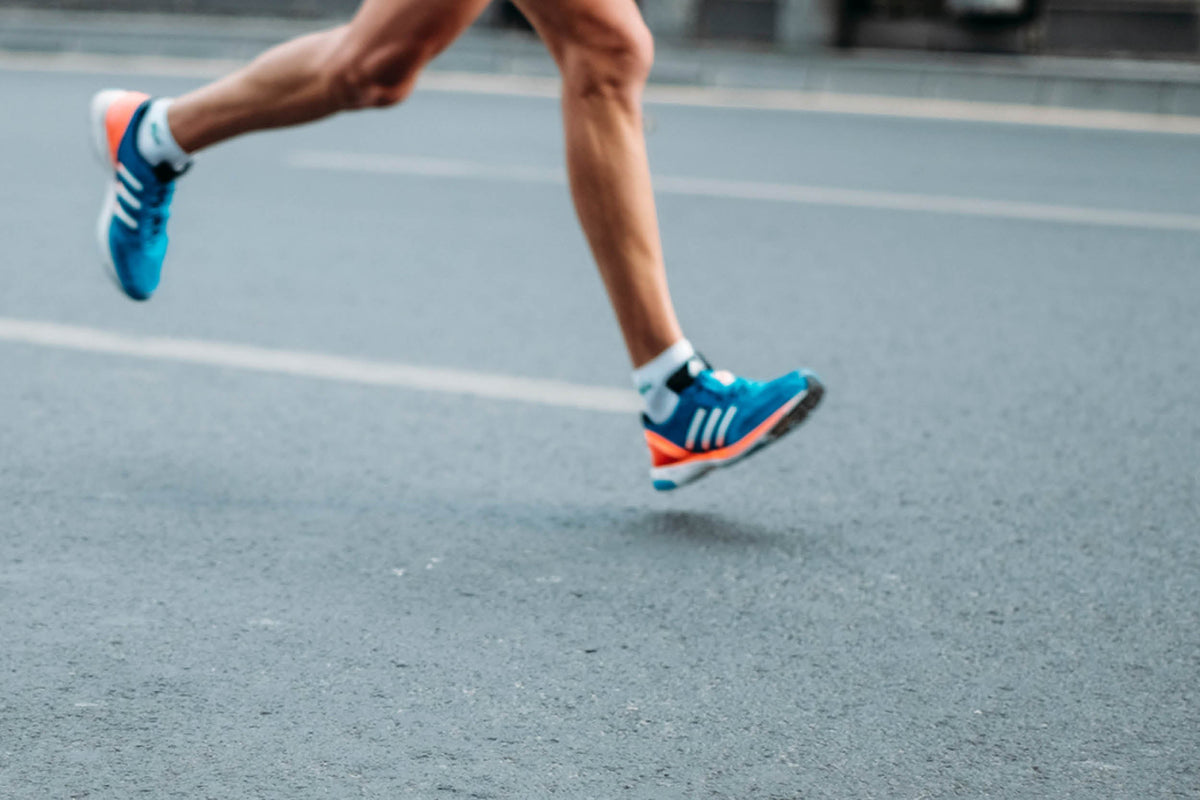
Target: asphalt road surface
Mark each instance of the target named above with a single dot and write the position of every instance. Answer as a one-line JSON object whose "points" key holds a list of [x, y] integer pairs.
{"points": [[974, 573]]}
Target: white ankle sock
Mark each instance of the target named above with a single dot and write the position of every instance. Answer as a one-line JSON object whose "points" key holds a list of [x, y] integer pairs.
{"points": [[651, 380], [154, 139]]}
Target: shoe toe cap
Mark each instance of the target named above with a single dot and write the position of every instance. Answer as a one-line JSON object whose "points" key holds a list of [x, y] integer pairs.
{"points": [[137, 269], [138, 281], [139, 293], [792, 383]]}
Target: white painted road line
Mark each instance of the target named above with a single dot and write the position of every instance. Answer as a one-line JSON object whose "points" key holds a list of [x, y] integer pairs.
{"points": [[751, 190], [97, 64], [325, 367], [927, 108], [930, 108]]}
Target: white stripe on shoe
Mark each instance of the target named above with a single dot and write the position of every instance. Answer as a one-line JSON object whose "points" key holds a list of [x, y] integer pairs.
{"points": [[128, 177], [127, 196], [725, 426], [713, 419], [694, 429], [120, 213]]}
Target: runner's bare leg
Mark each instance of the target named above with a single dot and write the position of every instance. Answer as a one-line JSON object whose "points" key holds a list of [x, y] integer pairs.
{"points": [[371, 61], [604, 52]]}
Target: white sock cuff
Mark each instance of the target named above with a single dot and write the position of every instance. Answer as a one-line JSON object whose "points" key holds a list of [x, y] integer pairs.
{"points": [[656, 371], [154, 139]]}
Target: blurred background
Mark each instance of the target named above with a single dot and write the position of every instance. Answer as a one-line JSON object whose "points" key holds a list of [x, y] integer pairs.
{"points": [[1139, 28]]}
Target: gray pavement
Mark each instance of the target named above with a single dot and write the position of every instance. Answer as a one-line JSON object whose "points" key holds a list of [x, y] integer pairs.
{"points": [[974, 573]]}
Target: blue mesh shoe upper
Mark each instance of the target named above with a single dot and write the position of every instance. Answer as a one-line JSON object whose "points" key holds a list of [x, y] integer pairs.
{"points": [[137, 229], [717, 409]]}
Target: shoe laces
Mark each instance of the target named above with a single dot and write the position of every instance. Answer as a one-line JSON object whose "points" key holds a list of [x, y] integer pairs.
{"points": [[157, 210], [158, 198], [727, 385]]}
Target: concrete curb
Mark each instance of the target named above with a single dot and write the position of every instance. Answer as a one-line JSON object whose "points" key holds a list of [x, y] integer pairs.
{"points": [[1116, 85]]}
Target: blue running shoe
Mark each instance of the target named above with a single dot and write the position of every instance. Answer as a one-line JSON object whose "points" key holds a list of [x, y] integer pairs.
{"points": [[132, 229], [722, 419]]}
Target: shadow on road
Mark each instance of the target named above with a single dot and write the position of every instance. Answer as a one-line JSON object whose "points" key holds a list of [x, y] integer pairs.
{"points": [[706, 528]]}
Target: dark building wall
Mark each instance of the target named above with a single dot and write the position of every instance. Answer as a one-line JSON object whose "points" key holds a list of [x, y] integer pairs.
{"points": [[1164, 27]]}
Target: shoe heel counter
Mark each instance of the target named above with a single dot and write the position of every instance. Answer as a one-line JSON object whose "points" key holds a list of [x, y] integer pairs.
{"points": [[116, 117]]}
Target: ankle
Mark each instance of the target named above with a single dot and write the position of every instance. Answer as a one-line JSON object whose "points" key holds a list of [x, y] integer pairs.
{"points": [[155, 141], [652, 380]]}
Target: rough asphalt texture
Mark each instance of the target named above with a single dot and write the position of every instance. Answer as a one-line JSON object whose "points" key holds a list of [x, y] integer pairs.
{"points": [[974, 573]]}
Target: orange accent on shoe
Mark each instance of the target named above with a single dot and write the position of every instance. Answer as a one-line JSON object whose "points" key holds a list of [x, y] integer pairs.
{"points": [[116, 119], [663, 451]]}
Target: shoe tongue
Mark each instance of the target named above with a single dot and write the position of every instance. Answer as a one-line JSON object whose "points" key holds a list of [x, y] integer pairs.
{"points": [[685, 376]]}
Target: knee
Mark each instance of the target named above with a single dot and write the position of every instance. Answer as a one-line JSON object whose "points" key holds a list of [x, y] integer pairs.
{"points": [[373, 76], [614, 62]]}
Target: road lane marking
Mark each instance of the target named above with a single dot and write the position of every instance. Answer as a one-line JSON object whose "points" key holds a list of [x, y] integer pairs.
{"points": [[492, 386], [99, 64], [928, 108], [752, 190], [921, 108]]}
